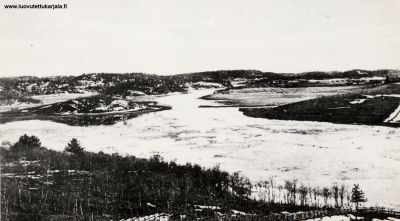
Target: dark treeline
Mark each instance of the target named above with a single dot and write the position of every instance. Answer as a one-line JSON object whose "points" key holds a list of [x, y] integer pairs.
{"points": [[8, 97], [336, 74], [155, 84], [149, 85], [38, 184]]}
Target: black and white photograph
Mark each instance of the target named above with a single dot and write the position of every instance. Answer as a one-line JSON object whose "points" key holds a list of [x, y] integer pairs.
{"points": [[197, 110]]}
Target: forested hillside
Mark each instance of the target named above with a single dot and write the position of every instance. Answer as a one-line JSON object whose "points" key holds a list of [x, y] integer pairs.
{"points": [[38, 183], [128, 83]]}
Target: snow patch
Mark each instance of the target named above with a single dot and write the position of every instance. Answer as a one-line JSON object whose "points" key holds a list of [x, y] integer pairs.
{"points": [[237, 212], [332, 218], [45, 106], [357, 101], [394, 117], [154, 217], [116, 106], [203, 84], [151, 205], [135, 93], [201, 207]]}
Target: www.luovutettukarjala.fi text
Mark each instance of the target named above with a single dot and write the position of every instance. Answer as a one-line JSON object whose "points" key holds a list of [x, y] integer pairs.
{"points": [[36, 6]]}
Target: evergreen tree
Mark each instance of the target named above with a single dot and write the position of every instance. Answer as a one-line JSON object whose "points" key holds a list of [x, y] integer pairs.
{"points": [[357, 196], [74, 147]]}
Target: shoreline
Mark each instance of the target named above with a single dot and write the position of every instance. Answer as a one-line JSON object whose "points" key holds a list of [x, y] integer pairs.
{"points": [[87, 119]]}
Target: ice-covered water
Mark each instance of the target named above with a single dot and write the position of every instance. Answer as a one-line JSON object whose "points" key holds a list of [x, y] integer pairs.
{"points": [[314, 153]]}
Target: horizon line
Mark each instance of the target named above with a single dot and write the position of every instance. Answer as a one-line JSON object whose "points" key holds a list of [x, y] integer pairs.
{"points": [[173, 74]]}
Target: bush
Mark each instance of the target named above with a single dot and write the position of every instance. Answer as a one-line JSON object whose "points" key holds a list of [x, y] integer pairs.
{"points": [[26, 143]]}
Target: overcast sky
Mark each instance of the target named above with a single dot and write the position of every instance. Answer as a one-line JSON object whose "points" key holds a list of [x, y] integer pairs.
{"points": [[180, 36]]}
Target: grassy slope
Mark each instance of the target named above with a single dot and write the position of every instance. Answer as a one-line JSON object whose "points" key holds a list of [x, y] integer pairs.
{"points": [[274, 96], [337, 109]]}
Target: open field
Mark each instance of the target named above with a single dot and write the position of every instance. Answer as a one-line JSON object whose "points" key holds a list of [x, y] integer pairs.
{"points": [[372, 106], [275, 96], [315, 153]]}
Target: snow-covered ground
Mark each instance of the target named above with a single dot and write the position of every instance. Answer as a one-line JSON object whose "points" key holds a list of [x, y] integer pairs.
{"points": [[331, 218], [347, 218], [154, 217], [313, 152]]}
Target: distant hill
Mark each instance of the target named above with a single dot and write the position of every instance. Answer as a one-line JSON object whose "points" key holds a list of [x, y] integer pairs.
{"points": [[122, 83]]}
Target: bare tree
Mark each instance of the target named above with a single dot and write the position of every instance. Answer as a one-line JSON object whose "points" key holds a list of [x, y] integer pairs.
{"points": [[341, 194], [335, 192], [271, 181], [326, 194], [303, 194]]}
